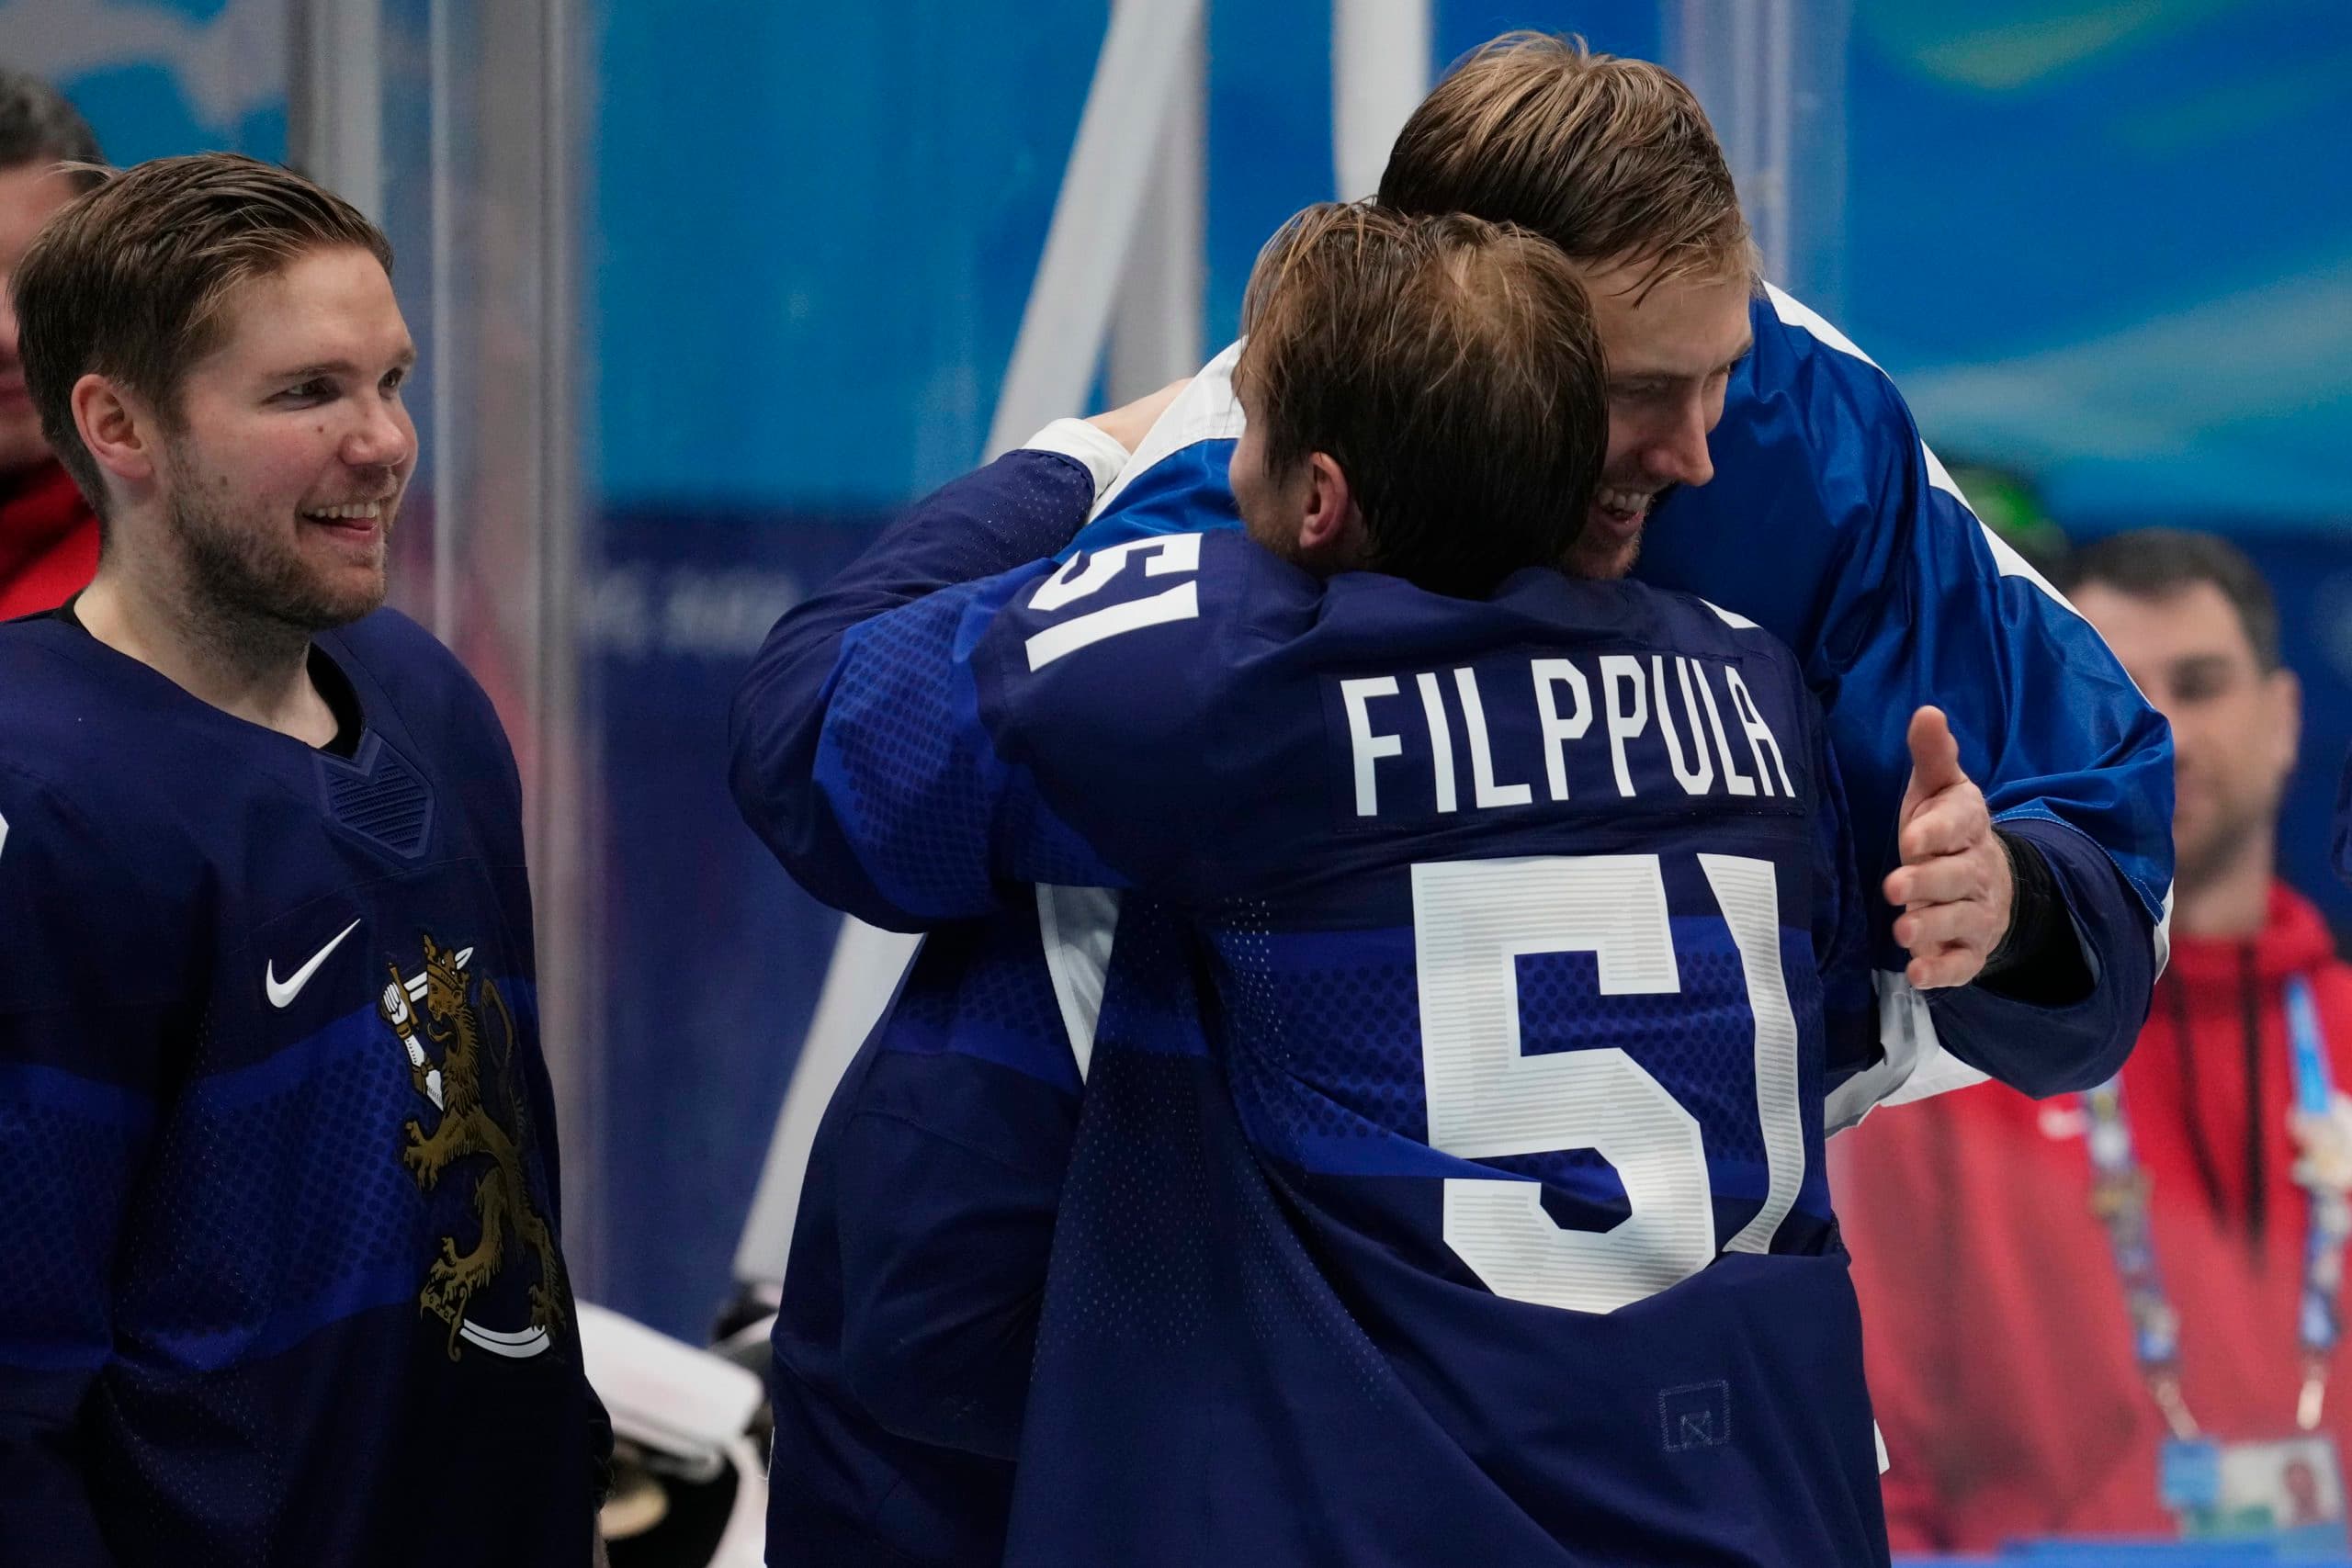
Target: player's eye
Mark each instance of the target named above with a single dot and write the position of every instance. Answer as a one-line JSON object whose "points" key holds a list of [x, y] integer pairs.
{"points": [[316, 390], [393, 381]]}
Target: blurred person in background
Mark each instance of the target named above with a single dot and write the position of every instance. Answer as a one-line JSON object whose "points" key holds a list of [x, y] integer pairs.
{"points": [[2055, 1292], [49, 533]]}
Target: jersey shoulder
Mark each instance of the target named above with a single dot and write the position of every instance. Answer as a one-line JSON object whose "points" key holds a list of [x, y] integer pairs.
{"points": [[1803, 366], [49, 675], [1154, 615], [409, 681], [1666, 620], [407, 662], [83, 721]]}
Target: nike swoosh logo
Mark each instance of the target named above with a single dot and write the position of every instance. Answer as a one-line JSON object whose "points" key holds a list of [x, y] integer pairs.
{"points": [[283, 992]]}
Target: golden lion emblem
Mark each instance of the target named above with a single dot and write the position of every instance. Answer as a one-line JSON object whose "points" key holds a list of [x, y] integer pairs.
{"points": [[437, 1005]]}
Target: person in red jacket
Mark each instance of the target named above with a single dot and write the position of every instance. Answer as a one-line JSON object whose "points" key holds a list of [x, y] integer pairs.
{"points": [[48, 535], [2116, 1311]]}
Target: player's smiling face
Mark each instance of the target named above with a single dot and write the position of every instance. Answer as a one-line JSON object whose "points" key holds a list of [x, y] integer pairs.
{"points": [[286, 466], [1671, 353]]}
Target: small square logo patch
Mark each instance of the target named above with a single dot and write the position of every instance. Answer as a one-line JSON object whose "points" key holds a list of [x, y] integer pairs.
{"points": [[1696, 1415]]}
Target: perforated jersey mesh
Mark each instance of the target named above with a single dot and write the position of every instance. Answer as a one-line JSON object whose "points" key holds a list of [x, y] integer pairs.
{"points": [[902, 768], [1332, 1049]]}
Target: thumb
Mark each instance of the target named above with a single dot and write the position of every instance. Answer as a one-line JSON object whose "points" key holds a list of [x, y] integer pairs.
{"points": [[1935, 759]]}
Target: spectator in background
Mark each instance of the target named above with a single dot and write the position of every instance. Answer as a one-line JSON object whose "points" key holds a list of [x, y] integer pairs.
{"points": [[48, 535], [2030, 1351]]}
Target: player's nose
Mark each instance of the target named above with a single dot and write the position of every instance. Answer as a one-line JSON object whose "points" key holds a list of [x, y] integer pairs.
{"points": [[381, 439], [1680, 455]]}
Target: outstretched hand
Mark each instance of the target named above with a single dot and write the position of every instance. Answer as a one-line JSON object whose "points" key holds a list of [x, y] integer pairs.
{"points": [[1955, 887]]}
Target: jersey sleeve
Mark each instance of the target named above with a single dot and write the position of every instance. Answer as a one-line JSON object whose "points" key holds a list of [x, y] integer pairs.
{"points": [[953, 1140], [1023, 506], [1024, 729], [945, 1149], [1853, 1053], [1178, 481], [1895, 597], [86, 1003]]}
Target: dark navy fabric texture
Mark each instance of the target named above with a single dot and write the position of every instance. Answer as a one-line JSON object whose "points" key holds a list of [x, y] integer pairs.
{"points": [[1284, 760], [1823, 522], [902, 1349], [285, 1280]]}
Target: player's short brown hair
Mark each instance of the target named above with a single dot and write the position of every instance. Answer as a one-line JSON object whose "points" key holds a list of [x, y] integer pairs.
{"points": [[1449, 366], [1612, 160], [128, 280]]}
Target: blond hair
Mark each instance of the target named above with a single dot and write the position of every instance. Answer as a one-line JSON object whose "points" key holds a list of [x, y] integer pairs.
{"points": [[1612, 160]]}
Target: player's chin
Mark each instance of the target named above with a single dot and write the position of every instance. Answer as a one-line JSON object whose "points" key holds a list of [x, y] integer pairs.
{"points": [[337, 598], [1601, 554]]}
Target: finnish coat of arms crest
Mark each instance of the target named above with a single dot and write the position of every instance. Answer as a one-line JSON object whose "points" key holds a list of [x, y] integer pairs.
{"points": [[444, 1006]]}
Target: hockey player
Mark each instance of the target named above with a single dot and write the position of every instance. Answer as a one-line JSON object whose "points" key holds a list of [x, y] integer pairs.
{"points": [[277, 1144], [1789, 485], [1490, 876]]}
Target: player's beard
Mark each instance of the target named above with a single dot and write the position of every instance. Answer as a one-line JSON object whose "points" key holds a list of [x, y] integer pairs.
{"points": [[1600, 555], [255, 578]]}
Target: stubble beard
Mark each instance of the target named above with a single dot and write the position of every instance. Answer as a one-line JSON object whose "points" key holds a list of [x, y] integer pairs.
{"points": [[1595, 561], [250, 590]]}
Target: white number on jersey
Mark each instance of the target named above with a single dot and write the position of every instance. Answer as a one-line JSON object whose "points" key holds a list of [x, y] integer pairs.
{"points": [[1472, 921], [1163, 555]]}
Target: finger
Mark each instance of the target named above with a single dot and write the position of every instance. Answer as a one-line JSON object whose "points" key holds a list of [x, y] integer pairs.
{"points": [[1930, 928], [1953, 879], [1955, 966], [1942, 882], [1954, 822], [1935, 759]]}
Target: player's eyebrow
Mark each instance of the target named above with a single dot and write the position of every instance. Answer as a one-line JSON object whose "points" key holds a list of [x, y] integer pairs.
{"points": [[2190, 664], [405, 359], [1662, 378]]}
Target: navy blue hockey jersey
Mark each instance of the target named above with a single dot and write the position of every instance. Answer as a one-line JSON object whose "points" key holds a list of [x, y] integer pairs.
{"points": [[1831, 524], [1494, 1169], [918, 1259], [285, 1282], [1828, 520]]}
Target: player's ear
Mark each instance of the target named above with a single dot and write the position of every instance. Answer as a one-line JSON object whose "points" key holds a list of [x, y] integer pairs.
{"points": [[1331, 531], [116, 426]]}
